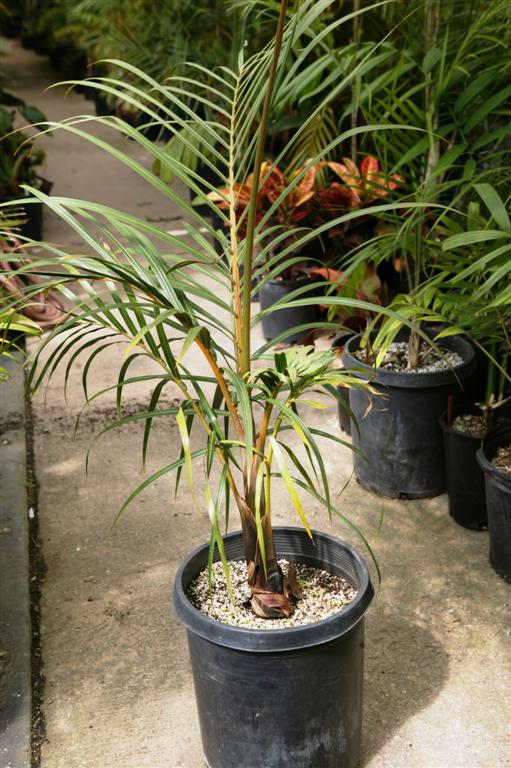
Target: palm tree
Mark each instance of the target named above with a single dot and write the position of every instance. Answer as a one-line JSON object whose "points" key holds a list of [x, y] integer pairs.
{"points": [[160, 295]]}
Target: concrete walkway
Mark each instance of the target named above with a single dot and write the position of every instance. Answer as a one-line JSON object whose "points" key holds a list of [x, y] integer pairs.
{"points": [[15, 627], [118, 688]]}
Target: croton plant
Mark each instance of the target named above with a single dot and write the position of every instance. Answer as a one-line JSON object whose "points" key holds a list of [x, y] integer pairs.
{"points": [[321, 194]]}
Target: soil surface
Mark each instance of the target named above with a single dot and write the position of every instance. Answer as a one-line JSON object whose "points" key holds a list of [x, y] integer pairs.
{"points": [[473, 424], [396, 359], [322, 595], [502, 459]]}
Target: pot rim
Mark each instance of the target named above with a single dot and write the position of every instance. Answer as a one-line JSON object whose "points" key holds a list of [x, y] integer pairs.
{"points": [[276, 640], [290, 281], [413, 379]]}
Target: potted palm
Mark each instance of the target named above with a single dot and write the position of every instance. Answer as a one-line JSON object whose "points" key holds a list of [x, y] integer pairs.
{"points": [[471, 267], [160, 296], [478, 266], [19, 161], [429, 82]]}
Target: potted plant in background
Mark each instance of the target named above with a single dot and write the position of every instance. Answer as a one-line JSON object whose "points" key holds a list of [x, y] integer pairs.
{"points": [[477, 265], [14, 322], [427, 85], [19, 161], [311, 205], [137, 287], [474, 267]]}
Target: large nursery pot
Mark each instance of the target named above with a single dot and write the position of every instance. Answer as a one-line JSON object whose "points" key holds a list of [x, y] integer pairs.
{"points": [[498, 501], [398, 426], [280, 698], [464, 478], [281, 320]]}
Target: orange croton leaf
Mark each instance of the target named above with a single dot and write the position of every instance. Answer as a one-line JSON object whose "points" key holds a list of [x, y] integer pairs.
{"points": [[369, 167], [304, 190], [274, 184]]}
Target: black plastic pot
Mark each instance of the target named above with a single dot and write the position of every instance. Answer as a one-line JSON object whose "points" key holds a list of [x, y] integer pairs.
{"points": [[212, 179], [475, 384], [342, 408], [32, 215], [281, 320], [280, 698], [343, 392], [398, 426], [464, 478], [101, 105], [498, 501]]}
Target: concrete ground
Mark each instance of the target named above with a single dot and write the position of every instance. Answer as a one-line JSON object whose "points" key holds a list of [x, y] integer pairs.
{"points": [[119, 692], [15, 628]]}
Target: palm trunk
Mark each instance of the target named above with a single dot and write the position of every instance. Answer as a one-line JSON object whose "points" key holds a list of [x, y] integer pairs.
{"points": [[271, 592], [270, 595]]}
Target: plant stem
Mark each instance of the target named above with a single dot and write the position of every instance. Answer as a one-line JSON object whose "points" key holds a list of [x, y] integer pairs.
{"points": [[252, 208], [355, 89]]}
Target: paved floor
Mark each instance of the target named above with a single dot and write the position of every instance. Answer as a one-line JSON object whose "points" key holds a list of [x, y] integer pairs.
{"points": [[15, 627], [118, 687]]}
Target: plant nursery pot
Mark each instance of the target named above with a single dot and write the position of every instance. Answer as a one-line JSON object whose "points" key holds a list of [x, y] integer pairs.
{"points": [[498, 501], [344, 392], [398, 426], [208, 175], [344, 416], [463, 476], [281, 320], [101, 105], [33, 215], [280, 698]]}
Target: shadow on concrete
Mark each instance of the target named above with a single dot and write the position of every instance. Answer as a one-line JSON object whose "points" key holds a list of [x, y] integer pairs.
{"points": [[405, 669]]}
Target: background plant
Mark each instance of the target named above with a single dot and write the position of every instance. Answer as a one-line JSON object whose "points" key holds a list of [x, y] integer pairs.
{"points": [[476, 265], [448, 75], [18, 157]]}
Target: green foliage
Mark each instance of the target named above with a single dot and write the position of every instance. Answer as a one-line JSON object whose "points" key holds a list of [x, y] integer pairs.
{"points": [[18, 157], [476, 265], [159, 295], [446, 72]]}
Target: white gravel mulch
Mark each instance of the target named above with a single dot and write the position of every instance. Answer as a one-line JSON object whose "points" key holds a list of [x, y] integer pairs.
{"points": [[502, 459], [396, 359], [470, 424], [323, 594]]}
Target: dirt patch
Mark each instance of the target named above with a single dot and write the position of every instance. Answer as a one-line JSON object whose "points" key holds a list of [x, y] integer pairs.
{"points": [[100, 416], [8, 424]]}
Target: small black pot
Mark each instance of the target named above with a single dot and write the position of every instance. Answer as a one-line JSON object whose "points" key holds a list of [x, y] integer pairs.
{"points": [[464, 478], [281, 320], [32, 214], [342, 408], [101, 105], [498, 501], [343, 392], [213, 180], [398, 426], [288, 698]]}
